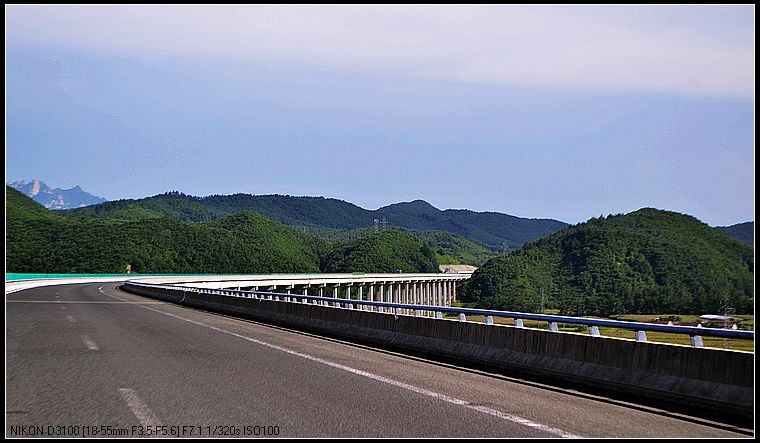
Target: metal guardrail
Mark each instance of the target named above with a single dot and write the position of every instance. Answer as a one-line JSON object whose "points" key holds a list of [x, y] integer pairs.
{"points": [[695, 332]]}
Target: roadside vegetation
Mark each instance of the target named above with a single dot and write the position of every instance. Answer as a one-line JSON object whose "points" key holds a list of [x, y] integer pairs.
{"points": [[747, 323]]}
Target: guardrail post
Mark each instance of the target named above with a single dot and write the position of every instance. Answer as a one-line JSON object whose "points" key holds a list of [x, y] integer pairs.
{"points": [[518, 323], [594, 331], [438, 315], [417, 312], [553, 326], [462, 317], [641, 336], [489, 320], [380, 309], [696, 341]]}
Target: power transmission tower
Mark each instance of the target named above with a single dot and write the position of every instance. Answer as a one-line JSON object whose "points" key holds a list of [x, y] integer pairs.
{"points": [[380, 224]]}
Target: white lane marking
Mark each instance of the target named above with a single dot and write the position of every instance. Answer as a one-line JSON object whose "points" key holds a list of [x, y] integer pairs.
{"points": [[63, 308], [422, 391], [70, 319], [142, 412], [89, 343]]}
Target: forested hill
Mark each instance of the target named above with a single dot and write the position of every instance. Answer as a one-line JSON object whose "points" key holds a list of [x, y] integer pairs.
{"points": [[490, 228], [448, 248], [744, 232], [40, 240], [389, 251], [648, 261]]}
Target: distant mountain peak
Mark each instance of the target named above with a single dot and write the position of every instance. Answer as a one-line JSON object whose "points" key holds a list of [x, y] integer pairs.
{"points": [[414, 205], [55, 198]]}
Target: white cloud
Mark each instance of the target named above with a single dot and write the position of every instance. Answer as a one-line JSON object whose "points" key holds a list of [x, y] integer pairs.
{"points": [[642, 49]]}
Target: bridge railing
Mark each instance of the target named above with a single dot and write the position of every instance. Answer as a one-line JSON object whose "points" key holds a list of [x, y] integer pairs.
{"points": [[694, 332]]}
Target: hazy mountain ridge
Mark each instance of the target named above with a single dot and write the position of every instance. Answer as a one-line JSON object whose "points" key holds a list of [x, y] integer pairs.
{"points": [[744, 232], [56, 198], [494, 229]]}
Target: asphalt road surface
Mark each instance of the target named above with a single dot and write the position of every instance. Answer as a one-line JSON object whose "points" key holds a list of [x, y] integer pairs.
{"points": [[91, 360]]}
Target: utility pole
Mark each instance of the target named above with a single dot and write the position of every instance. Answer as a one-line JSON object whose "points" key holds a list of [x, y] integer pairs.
{"points": [[726, 310]]}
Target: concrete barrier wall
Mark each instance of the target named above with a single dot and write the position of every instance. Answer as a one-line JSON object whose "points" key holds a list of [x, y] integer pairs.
{"points": [[706, 378]]}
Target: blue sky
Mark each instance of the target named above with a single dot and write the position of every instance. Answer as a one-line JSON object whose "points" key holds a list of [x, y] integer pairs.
{"points": [[555, 112]]}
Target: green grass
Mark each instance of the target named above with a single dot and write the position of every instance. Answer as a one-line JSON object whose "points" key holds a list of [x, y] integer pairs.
{"points": [[748, 322], [655, 337]]}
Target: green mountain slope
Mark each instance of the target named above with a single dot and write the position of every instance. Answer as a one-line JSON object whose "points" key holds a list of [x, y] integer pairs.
{"points": [[20, 205], [388, 251], [448, 248], [40, 241], [490, 228], [744, 232], [648, 261], [170, 205]]}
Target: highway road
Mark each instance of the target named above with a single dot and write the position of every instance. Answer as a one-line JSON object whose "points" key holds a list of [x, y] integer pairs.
{"points": [[89, 358]]}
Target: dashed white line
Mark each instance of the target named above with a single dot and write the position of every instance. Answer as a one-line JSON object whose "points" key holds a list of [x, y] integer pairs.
{"points": [[89, 343], [408, 387], [142, 412]]}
